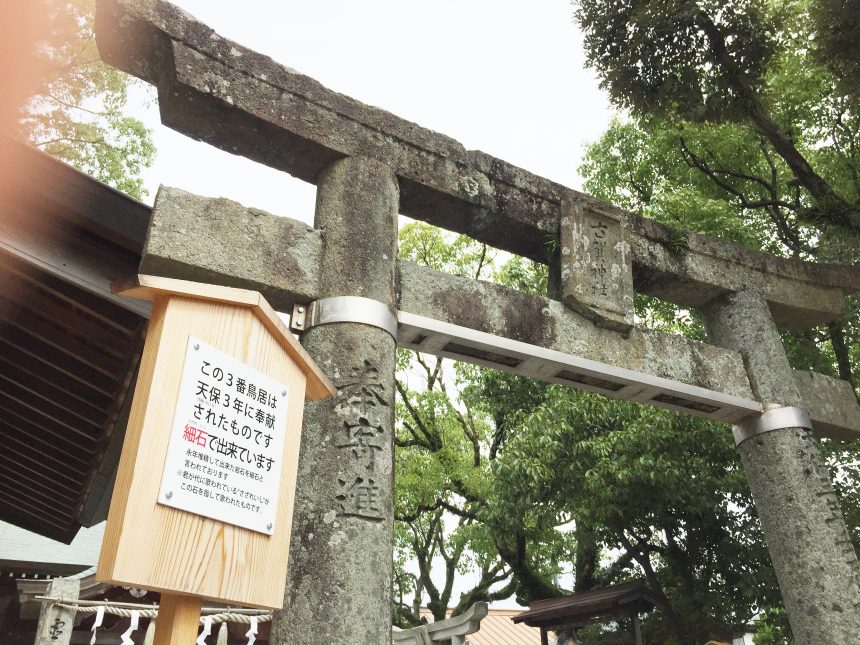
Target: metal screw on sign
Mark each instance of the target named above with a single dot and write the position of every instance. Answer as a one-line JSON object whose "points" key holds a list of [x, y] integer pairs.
{"points": [[168, 494], [197, 346], [269, 526], [284, 393]]}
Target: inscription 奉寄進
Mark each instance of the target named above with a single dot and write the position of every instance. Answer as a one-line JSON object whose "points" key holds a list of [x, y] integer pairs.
{"points": [[361, 439]]}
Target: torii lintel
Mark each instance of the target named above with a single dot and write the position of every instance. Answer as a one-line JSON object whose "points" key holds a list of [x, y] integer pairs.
{"points": [[213, 89]]}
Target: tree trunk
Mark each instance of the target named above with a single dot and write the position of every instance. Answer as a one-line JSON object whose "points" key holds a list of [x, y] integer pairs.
{"points": [[835, 209], [837, 339], [663, 602], [531, 586], [587, 551]]}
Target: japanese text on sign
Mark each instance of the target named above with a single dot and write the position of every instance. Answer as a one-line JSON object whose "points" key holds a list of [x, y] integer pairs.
{"points": [[226, 441]]}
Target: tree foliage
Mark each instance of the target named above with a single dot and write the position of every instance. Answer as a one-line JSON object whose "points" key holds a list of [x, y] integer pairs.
{"points": [[538, 490], [708, 61], [442, 472], [658, 56], [78, 110], [655, 493], [837, 29], [729, 178], [528, 485]]}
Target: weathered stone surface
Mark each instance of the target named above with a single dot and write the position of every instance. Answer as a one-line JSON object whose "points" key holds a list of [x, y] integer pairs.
{"points": [[217, 254], [741, 321], [214, 253], [831, 404], [812, 553], [225, 94], [56, 624], [247, 262], [339, 574], [691, 269], [451, 630], [223, 242], [507, 312], [596, 267]]}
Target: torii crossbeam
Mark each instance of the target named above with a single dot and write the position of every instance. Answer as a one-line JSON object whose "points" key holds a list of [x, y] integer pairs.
{"points": [[354, 301]]}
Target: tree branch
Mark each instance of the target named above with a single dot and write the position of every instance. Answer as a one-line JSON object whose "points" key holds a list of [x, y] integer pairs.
{"points": [[644, 561], [432, 438], [833, 208], [787, 234]]}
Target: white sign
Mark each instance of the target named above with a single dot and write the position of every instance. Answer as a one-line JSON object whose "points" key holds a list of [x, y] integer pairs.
{"points": [[226, 442]]}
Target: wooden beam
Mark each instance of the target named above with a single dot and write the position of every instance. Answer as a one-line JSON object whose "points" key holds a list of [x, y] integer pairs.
{"points": [[178, 619]]}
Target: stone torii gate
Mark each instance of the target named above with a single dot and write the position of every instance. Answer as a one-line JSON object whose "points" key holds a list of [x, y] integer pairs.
{"points": [[354, 301]]}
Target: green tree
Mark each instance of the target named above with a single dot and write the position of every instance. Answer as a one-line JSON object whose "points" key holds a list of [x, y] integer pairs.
{"points": [[441, 469], [624, 490], [78, 110], [714, 161], [737, 128], [711, 61], [634, 154], [837, 29], [725, 177], [525, 482], [659, 495]]}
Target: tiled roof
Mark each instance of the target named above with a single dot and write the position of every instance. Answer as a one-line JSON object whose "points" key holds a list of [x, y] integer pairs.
{"points": [[497, 628]]}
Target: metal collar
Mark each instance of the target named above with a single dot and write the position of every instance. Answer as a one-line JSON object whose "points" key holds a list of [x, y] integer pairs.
{"points": [[771, 419], [342, 309]]}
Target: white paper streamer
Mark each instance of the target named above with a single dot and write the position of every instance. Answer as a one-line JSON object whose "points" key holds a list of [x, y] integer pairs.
{"points": [[135, 619], [100, 614], [252, 632], [149, 637], [207, 629]]}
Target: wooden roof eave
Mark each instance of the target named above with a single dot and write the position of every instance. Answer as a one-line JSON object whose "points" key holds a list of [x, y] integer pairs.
{"points": [[586, 607]]}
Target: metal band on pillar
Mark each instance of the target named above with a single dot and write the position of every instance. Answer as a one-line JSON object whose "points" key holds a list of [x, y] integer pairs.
{"points": [[771, 419], [338, 309]]}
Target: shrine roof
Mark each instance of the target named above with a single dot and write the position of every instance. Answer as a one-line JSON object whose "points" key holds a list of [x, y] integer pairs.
{"points": [[579, 608], [68, 347]]}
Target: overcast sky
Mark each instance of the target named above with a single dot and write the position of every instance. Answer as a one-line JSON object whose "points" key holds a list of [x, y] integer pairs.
{"points": [[500, 76]]}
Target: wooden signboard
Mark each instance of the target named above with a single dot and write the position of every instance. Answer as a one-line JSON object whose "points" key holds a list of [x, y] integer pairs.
{"points": [[203, 500]]}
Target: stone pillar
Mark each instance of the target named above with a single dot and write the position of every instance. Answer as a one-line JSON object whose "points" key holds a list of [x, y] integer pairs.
{"points": [[56, 624], [339, 580], [813, 557]]}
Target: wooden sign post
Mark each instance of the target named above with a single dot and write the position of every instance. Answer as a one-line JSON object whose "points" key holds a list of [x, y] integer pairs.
{"points": [[203, 501]]}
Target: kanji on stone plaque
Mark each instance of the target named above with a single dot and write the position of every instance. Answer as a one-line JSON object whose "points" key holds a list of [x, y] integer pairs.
{"points": [[596, 267]]}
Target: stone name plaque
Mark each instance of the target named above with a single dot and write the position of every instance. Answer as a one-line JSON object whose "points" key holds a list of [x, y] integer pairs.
{"points": [[226, 444], [596, 268]]}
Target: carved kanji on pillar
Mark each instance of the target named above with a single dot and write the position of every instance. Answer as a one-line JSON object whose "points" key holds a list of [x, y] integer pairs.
{"points": [[362, 439]]}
